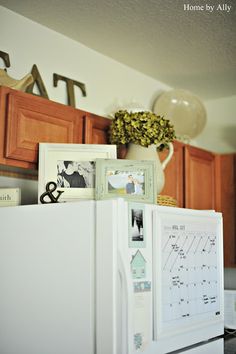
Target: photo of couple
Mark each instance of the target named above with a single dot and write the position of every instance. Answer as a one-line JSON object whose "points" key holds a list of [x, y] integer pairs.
{"points": [[133, 186], [76, 174], [125, 182]]}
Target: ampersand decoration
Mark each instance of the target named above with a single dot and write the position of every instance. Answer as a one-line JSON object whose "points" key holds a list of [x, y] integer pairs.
{"points": [[50, 188]]}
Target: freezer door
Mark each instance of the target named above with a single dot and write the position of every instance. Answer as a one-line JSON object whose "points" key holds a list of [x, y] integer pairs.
{"points": [[47, 279]]}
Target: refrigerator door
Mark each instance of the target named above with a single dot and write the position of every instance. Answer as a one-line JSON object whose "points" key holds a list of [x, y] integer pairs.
{"points": [[47, 279], [124, 319]]}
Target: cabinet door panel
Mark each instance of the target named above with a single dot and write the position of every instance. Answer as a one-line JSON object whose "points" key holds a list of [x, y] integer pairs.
{"points": [[225, 203], [199, 178], [96, 129], [174, 174], [32, 119]]}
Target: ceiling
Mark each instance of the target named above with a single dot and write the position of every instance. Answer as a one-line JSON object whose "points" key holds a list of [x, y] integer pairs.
{"points": [[192, 50]]}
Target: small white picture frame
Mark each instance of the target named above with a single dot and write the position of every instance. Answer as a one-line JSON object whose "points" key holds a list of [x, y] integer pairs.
{"points": [[133, 180]]}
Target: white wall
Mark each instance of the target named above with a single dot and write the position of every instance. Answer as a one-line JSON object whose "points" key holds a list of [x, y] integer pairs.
{"points": [[107, 81], [219, 134]]}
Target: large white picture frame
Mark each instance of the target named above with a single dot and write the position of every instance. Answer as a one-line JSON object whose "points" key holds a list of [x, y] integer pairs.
{"points": [[57, 161]]}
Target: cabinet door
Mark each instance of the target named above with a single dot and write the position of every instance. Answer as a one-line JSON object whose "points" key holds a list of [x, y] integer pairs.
{"points": [[225, 203], [199, 178], [96, 129], [30, 119], [174, 174]]}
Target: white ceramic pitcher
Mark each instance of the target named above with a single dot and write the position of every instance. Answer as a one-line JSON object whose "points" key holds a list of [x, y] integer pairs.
{"points": [[138, 152]]}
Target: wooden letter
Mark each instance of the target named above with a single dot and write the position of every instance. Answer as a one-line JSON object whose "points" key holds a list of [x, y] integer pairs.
{"points": [[5, 57], [69, 87], [37, 80]]}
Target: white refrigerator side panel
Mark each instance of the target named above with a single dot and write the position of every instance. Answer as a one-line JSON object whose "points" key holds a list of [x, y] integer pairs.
{"points": [[47, 279]]}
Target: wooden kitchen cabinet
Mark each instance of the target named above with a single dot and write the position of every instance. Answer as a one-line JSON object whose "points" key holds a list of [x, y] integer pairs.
{"points": [[225, 202], [199, 181], [26, 120], [190, 177], [96, 129]]}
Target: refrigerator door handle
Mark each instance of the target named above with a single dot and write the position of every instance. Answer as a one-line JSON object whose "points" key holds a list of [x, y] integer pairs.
{"points": [[127, 300]]}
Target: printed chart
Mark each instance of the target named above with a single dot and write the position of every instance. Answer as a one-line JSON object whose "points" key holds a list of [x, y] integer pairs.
{"points": [[190, 277]]}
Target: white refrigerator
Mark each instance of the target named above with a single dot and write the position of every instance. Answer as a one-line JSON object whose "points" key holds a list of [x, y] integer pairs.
{"points": [[110, 277]]}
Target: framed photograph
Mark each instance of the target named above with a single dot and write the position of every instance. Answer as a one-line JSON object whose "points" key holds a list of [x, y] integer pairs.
{"points": [[129, 179], [71, 168]]}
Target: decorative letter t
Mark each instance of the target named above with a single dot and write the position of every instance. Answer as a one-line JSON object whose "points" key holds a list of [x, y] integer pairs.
{"points": [[70, 87]]}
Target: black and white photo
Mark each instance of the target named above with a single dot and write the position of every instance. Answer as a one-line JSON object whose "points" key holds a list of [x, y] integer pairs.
{"points": [[75, 174], [137, 231]]}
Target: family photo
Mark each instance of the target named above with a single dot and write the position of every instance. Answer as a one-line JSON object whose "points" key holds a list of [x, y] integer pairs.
{"points": [[126, 182], [76, 174]]}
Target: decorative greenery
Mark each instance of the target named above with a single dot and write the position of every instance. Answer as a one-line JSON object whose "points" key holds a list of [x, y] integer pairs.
{"points": [[141, 128]]}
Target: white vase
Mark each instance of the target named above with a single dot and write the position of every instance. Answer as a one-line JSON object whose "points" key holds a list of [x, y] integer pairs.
{"points": [[138, 152]]}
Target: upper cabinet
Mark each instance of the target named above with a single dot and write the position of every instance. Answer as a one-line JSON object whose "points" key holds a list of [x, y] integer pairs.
{"points": [[26, 120], [225, 202], [190, 177], [199, 178], [96, 129]]}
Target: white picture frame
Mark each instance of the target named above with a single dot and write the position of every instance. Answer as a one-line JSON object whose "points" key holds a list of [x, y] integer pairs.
{"points": [[53, 156]]}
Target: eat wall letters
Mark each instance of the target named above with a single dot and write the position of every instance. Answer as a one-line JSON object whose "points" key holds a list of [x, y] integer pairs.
{"points": [[70, 83]]}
